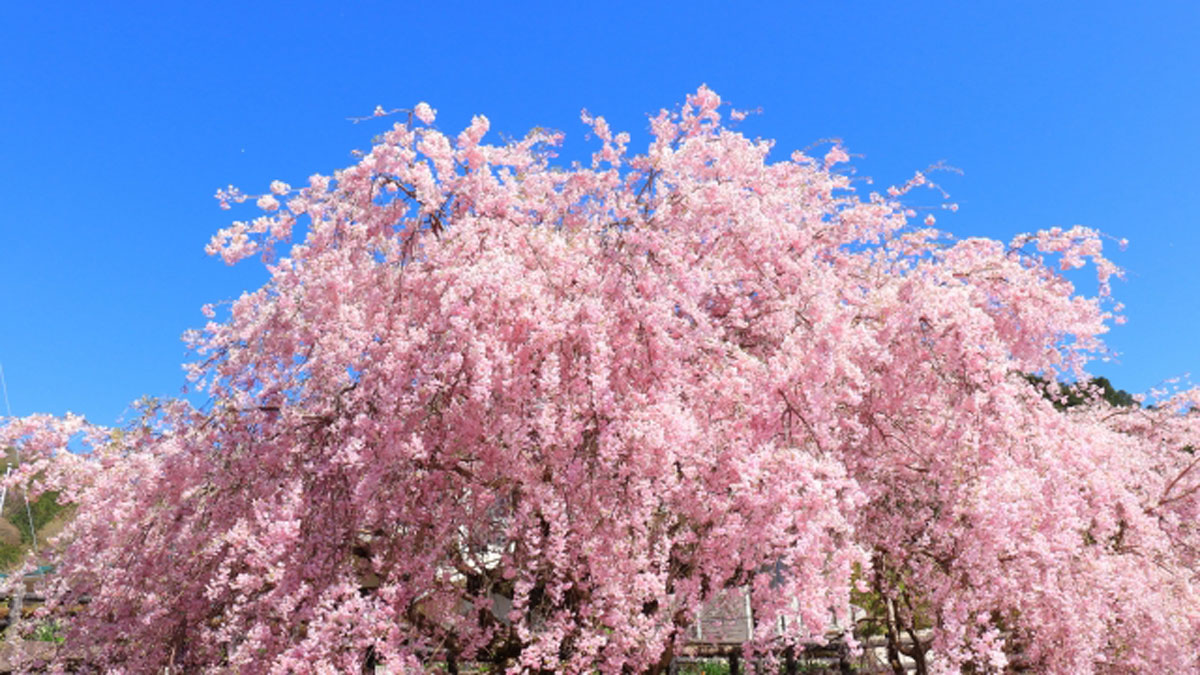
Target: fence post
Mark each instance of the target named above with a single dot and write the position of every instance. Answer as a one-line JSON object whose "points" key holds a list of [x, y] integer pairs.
{"points": [[15, 605]]}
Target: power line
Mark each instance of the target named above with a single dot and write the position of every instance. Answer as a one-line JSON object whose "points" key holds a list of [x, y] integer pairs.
{"points": [[17, 454]]}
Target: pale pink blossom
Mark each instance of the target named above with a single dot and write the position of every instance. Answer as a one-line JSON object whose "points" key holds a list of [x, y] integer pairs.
{"points": [[425, 113], [836, 155], [555, 412]]}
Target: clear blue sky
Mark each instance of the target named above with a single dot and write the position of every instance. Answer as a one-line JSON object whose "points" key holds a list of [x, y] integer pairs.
{"points": [[118, 121]]}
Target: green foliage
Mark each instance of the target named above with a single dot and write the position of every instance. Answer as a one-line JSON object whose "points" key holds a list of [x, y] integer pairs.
{"points": [[871, 602], [719, 666], [1069, 396], [1114, 396], [10, 555], [875, 605], [707, 667], [49, 631], [42, 510]]}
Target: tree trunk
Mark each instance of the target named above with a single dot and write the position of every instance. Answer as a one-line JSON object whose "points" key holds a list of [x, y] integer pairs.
{"points": [[918, 652], [889, 619], [844, 665], [789, 661]]}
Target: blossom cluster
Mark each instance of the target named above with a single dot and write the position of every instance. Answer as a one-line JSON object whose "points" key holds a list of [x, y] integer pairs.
{"points": [[491, 409]]}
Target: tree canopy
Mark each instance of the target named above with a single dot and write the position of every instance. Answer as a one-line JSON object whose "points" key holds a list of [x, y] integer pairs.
{"points": [[489, 408]]}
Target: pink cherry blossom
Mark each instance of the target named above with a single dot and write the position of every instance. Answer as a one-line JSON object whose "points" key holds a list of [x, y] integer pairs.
{"points": [[425, 113], [268, 203], [491, 409]]}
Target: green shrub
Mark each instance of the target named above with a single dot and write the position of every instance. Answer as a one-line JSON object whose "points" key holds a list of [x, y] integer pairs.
{"points": [[49, 631]]}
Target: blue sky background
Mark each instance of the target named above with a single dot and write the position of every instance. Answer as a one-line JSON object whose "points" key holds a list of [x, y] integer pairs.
{"points": [[118, 121]]}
